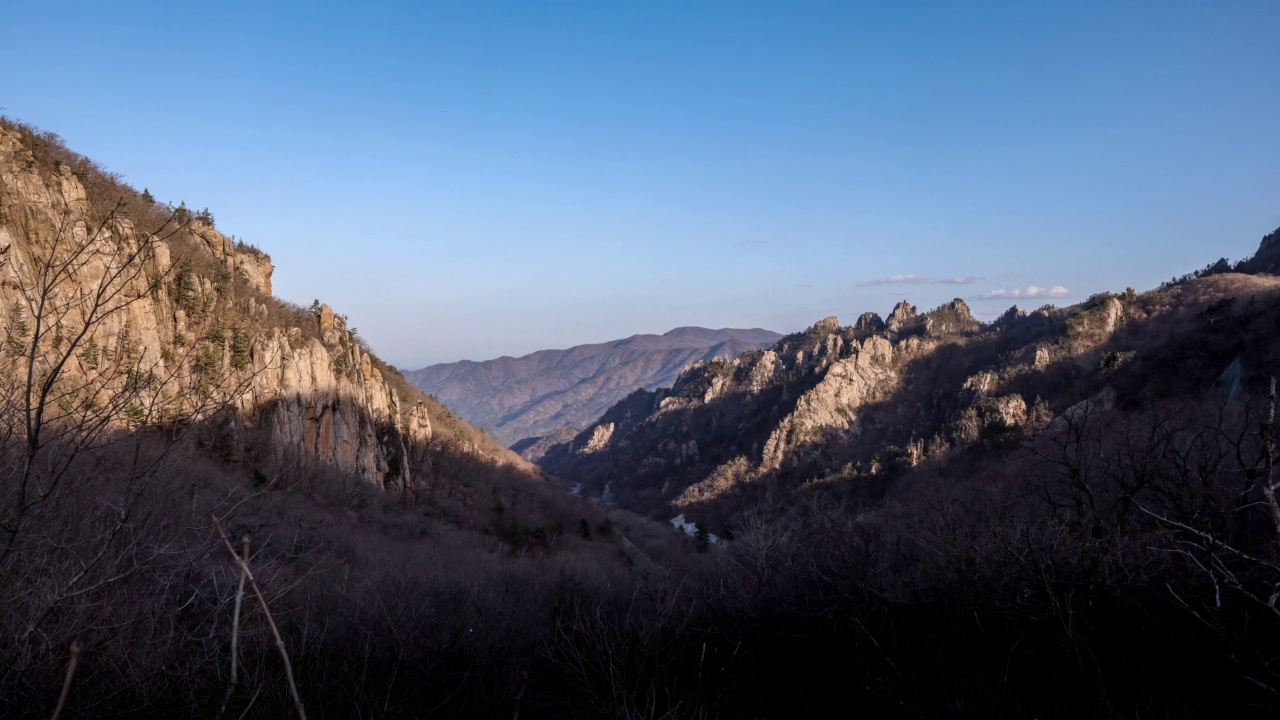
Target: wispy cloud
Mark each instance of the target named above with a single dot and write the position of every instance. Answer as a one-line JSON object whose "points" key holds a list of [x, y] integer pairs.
{"points": [[910, 279], [1033, 291], [899, 280]]}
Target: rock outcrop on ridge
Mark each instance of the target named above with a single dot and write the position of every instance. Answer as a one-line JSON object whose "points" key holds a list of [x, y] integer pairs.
{"points": [[856, 406], [539, 394], [197, 320]]}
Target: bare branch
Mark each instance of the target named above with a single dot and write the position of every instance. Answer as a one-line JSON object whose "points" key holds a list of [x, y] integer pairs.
{"points": [[275, 632]]}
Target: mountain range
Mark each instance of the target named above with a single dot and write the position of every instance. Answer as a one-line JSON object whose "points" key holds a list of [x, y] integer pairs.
{"points": [[547, 391], [867, 405], [1068, 512]]}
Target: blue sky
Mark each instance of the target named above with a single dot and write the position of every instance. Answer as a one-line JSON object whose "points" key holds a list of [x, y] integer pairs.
{"points": [[467, 180]]}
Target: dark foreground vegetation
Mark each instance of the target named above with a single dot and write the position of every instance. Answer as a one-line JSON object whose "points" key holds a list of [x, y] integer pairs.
{"points": [[1119, 561], [1123, 568]]}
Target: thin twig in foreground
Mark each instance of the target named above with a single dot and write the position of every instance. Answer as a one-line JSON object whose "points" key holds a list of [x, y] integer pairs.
{"points": [[271, 623], [235, 633], [76, 649]]}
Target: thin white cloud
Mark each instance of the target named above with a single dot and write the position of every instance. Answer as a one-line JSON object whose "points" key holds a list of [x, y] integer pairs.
{"points": [[1033, 291], [911, 279]]}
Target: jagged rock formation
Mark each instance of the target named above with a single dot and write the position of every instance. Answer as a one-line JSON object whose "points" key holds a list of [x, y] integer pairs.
{"points": [[198, 322], [953, 318], [1267, 257], [856, 405], [350, 418], [756, 414], [830, 407], [869, 322], [540, 393], [903, 314], [599, 438]]}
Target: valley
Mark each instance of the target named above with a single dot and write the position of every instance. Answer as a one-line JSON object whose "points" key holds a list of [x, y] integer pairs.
{"points": [[516, 399], [1042, 485]]}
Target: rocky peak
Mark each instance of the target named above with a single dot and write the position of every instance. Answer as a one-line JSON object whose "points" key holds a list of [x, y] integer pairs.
{"points": [[325, 315], [764, 371], [333, 327], [902, 315], [1113, 311], [950, 319], [831, 407], [869, 323], [1270, 242], [826, 325], [1009, 318], [1267, 258]]}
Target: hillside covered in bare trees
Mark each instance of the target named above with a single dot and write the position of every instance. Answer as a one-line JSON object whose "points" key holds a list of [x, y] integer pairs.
{"points": [[214, 503], [526, 398]]}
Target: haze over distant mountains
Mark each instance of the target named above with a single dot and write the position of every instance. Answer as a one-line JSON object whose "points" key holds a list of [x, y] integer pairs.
{"points": [[545, 391]]}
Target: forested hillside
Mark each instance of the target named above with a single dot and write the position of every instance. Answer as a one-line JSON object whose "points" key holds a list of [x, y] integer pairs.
{"points": [[214, 503], [546, 391]]}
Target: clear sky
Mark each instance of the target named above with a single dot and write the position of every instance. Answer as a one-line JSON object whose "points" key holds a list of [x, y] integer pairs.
{"points": [[472, 179]]}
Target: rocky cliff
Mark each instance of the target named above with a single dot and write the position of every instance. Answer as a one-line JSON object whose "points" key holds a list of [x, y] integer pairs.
{"points": [[857, 406], [543, 392], [1267, 257], [161, 305]]}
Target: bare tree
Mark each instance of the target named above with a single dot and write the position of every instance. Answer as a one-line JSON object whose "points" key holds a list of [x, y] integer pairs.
{"points": [[89, 417], [1240, 551]]}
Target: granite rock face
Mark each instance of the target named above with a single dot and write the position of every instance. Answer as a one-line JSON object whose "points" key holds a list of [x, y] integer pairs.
{"points": [[857, 406], [1114, 313], [831, 407], [903, 314], [193, 316], [726, 421]]}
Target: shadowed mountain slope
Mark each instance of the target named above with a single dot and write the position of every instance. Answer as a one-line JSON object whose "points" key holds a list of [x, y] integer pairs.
{"points": [[194, 315], [539, 393], [861, 406], [156, 398], [1064, 514]]}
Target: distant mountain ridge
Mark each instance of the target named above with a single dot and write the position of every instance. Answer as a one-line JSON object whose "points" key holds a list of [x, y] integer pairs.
{"points": [[871, 405], [539, 393]]}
